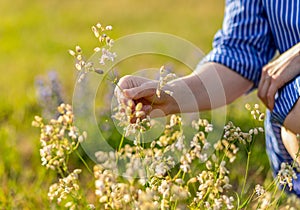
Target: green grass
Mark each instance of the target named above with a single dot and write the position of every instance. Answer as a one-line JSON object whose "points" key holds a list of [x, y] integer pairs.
{"points": [[35, 36]]}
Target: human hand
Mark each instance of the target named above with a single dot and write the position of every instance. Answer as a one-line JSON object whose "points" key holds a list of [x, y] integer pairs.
{"points": [[277, 73], [143, 90]]}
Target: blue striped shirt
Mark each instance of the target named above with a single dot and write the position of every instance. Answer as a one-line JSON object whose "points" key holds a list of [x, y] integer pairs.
{"points": [[253, 30]]}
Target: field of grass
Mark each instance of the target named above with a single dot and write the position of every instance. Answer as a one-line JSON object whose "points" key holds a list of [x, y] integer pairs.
{"points": [[35, 37]]}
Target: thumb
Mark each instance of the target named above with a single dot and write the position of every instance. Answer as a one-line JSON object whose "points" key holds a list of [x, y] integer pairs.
{"points": [[143, 91]]}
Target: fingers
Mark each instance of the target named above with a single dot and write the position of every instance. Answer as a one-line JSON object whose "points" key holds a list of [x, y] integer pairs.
{"points": [[146, 90], [124, 83], [268, 86], [136, 90], [273, 77], [128, 86], [147, 109], [263, 88], [138, 93], [271, 96]]}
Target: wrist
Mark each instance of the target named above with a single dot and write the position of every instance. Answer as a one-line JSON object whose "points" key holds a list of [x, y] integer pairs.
{"points": [[183, 98]]}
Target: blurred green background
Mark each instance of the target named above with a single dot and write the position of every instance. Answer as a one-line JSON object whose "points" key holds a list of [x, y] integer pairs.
{"points": [[35, 37]]}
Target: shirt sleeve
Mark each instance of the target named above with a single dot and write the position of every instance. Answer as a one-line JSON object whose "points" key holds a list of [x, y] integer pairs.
{"points": [[285, 99], [244, 44]]}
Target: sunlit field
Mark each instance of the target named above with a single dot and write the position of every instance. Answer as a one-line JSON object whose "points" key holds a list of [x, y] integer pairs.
{"points": [[35, 37]]}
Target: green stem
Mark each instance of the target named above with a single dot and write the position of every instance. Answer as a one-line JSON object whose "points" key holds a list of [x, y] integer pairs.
{"points": [[175, 177], [204, 197], [273, 183], [183, 175], [60, 172], [142, 140], [274, 193], [120, 146], [121, 142], [246, 173], [175, 205], [112, 80], [118, 86], [83, 161], [281, 193], [245, 204]]}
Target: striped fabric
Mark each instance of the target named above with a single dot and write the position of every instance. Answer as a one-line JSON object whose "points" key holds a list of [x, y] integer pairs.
{"points": [[253, 30]]}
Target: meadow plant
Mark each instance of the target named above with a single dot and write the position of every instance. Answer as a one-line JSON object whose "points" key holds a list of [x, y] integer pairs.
{"points": [[132, 118], [59, 138], [105, 44], [173, 171], [164, 78]]}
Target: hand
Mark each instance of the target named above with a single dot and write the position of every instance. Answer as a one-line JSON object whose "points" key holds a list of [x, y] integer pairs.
{"points": [[143, 90], [277, 73], [199, 91]]}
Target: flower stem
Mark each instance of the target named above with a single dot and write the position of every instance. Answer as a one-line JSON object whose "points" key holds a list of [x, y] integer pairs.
{"points": [[121, 142], [178, 173], [246, 173], [83, 161], [280, 196]]}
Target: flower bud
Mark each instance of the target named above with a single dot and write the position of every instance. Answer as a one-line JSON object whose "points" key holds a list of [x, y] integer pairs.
{"points": [[139, 107]]}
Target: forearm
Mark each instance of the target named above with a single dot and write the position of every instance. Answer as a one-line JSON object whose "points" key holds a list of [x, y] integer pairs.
{"points": [[212, 86]]}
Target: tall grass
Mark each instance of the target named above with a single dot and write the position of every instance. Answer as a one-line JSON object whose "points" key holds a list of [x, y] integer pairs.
{"points": [[35, 36]]}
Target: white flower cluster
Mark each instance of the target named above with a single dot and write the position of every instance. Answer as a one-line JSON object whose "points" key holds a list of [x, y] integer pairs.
{"points": [[164, 78], [66, 188], [132, 118], [264, 198], [286, 175], [145, 173], [110, 193], [213, 185], [232, 136], [233, 133], [198, 146], [259, 190], [84, 66], [171, 133], [148, 177], [59, 138], [255, 112]]}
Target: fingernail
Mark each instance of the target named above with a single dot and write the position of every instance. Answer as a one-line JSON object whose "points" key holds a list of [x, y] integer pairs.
{"points": [[126, 93]]}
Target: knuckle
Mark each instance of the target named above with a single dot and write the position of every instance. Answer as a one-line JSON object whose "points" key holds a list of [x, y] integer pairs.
{"points": [[124, 79], [265, 68]]}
